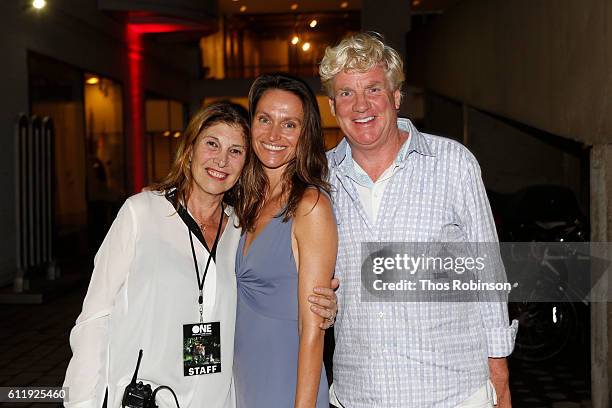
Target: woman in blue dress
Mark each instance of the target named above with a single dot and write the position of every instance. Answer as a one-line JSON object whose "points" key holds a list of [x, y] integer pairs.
{"points": [[288, 247]]}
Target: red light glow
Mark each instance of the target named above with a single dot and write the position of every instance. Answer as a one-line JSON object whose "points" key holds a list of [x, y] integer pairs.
{"points": [[136, 93], [134, 33], [155, 28]]}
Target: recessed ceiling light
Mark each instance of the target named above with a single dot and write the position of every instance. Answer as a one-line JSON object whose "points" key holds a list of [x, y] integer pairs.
{"points": [[306, 46], [295, 40], [294, 6], [313, 23], [242, 9], [415, 3], [176, 135], [166, 133], [39, 4], [344, 4], [92, 80]]}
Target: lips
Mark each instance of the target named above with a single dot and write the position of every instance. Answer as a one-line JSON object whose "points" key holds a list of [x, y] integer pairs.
{"points": [[363, 121], [273, 147], [219, 175]]}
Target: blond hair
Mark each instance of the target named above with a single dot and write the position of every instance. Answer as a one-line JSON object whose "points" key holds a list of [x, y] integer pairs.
{"points": [[361, 52]]}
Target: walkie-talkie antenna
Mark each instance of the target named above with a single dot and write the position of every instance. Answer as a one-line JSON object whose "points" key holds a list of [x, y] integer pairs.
{"points": [[137, 367]]}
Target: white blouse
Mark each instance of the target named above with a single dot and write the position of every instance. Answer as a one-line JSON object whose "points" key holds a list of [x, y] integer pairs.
{"points": [[142, 291]]}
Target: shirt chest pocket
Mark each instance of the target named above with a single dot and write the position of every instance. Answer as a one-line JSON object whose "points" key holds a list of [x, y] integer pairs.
{"points": [[424, 217]]}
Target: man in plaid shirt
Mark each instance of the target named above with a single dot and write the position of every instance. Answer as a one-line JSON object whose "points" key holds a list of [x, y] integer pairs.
{"points": [[392, 183]]}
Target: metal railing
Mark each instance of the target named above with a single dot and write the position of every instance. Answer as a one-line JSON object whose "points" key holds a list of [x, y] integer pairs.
{"points": [[34, 183]]}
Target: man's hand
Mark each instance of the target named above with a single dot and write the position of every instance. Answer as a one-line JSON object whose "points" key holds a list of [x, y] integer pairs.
{"points": [[500, 377], [325, 303]]}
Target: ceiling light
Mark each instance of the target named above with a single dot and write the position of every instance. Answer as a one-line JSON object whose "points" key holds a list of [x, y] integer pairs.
{"points": [[344, 4], [313, 23], [294, 6], [166, 133], [92, 80], [415, 3], [176, 135], [306, 46], [39, 4], [295, 40], [242, 9]]}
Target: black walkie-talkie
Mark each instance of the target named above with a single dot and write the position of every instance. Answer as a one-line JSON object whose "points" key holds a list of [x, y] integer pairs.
{"points": [[137, 395]]}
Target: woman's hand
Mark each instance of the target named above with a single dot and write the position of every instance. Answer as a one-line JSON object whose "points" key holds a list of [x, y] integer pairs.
{"points": [[324, 303]]}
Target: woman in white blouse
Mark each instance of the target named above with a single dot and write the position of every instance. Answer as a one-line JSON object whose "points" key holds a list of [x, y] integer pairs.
{"points": [[164, 279]]}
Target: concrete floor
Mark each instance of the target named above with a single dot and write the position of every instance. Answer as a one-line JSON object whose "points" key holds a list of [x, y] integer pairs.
{"points": [[34, 342], [35, 351]]}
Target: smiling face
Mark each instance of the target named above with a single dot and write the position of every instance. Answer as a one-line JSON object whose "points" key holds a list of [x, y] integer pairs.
{"points": [[276, 128], [365, 107], [217, 159]]}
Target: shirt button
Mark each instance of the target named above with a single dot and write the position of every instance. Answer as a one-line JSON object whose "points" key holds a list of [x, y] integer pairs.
{"points": [[381, 314]]}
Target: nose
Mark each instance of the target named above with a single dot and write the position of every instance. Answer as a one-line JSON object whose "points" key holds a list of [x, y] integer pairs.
{"points": [[361, 103], [222, 160], [275, 133]]}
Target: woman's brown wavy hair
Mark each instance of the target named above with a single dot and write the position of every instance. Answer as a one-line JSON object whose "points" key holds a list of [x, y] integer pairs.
{"points": [[307, 169], [179, 177]]}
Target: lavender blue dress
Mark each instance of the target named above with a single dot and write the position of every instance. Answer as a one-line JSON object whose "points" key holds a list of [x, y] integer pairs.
{"points": [[267, 341]]}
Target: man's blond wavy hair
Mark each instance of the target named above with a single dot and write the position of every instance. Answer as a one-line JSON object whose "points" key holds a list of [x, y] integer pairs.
{"points": [[361, 52]]}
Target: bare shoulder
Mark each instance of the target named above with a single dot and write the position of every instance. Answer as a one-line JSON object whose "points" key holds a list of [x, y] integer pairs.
{"points": [[315, 224], [314, 204]]}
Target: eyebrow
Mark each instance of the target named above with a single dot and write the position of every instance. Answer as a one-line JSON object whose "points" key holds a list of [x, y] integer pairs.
{"points": [[217, 139], [293, 118], [283, 118], [203, 136], [369, 85]]}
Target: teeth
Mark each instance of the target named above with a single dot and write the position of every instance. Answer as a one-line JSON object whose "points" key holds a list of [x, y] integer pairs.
{"points": [[273, 147], [217, 174], [364, 120]]}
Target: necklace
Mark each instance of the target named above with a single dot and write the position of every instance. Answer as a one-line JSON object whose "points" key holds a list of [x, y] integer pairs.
{"points": [[203, 225]]}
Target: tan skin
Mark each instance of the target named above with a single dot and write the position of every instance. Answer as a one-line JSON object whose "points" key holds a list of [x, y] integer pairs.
{"points": [[217, 159], [366, 107], [275, 130]]}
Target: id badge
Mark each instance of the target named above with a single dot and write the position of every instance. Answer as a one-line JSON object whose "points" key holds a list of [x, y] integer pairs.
{"points": [[201, 348]]}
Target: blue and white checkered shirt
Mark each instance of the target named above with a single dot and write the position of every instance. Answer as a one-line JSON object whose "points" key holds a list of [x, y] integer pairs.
{"points": [[413, 355]]}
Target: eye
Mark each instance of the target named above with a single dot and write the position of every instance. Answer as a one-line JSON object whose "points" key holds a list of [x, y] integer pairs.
{"points": [[262, 119], [375, 89], [290, 125], [236, 152], [212, 144], [344, 94]]}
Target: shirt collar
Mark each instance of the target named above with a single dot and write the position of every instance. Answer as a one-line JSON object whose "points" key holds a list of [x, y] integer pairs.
{"points": [[341, 155]]}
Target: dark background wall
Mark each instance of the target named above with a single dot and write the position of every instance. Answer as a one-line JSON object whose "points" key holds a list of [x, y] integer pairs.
{"points": [[546, 64], [76, 33]]}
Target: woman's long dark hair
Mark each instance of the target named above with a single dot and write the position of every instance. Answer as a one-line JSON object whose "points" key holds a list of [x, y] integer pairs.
{"points": [[307, 169]]}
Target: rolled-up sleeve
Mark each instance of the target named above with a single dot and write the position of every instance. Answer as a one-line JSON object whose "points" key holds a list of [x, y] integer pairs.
{"points": [[500, 340], [86, 376], [480, 228]]}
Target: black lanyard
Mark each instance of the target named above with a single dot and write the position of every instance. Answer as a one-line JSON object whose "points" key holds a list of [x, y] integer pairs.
{"points": [[212, 251]]}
